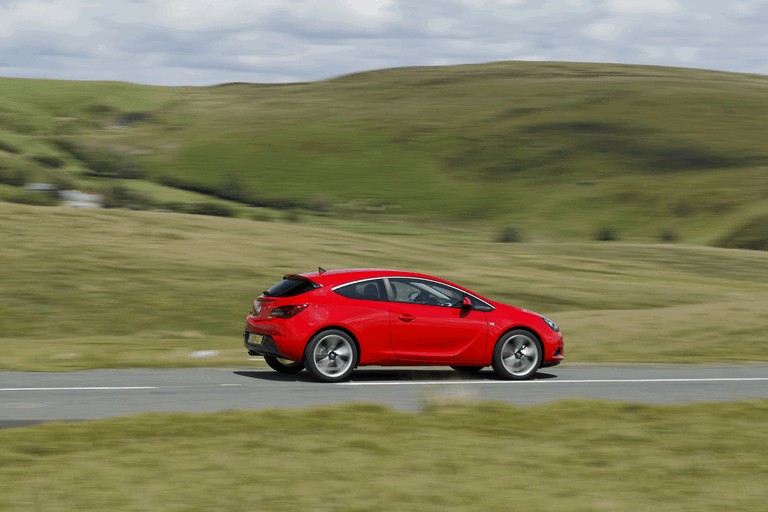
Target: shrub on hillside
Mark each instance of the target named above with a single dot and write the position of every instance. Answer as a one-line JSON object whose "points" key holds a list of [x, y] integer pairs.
{"points": [[606, 235], [215, 209], [8, 147], [32, 198], [669, 235], [509, 235], [121, 197], [48, 160], [100, 161], [292, 216], [15, 177], [752, 234]]}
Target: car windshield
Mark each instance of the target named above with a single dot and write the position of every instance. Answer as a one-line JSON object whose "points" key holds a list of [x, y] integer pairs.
{"points": [[291, 286]]}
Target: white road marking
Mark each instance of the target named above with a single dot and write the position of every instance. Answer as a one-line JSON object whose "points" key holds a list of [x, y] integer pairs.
{"points": [[548, 381], [83, 388]]}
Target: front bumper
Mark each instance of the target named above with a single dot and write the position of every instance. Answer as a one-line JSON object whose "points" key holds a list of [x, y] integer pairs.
{"points": [[261, 345]]}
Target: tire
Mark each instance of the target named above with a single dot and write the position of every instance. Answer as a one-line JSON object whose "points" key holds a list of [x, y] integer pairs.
{"points": [[517, 355], [331, 356], [284, 365], [468, 370]]}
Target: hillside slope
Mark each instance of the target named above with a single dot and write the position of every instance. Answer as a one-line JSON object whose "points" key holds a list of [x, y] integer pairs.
{"points": [[557, 150]]}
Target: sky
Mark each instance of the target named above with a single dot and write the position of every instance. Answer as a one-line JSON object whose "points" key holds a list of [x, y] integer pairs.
{"points": [[205, 42]]}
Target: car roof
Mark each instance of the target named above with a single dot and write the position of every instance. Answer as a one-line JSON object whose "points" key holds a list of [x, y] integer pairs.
{"points": [[347, 275]]}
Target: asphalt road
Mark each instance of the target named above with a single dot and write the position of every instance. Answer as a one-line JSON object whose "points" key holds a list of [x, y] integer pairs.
{"points": [[32, 397]]}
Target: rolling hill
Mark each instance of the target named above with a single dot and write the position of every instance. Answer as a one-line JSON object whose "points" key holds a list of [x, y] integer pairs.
{"points": [[558, 151]]}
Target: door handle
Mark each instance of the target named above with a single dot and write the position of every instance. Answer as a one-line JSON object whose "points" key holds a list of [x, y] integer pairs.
{"points": [[405, 317]]}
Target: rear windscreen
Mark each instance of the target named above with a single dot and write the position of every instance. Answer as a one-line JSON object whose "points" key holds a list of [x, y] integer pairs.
{"points": [[291, 286]]}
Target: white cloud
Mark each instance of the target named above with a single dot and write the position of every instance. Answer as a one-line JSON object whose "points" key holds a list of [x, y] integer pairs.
{"points": [[644, 6], [603, 31], [38, 15], [213, 41], [441, 25], [685, 54], [654, 52]]}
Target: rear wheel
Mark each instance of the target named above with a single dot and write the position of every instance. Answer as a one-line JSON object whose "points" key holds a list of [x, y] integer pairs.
{"points": [[331, 356], [517, 355], [284, 365]]}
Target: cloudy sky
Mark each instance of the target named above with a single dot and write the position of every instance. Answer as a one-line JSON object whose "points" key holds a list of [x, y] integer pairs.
{"points": [[200, 42]]}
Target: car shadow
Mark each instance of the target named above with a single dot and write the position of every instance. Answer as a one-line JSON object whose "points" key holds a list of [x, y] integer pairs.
{"points": [[378, 374], [274, 376]]}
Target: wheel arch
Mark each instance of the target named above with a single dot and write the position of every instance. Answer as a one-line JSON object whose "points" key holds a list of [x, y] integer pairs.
{"points": [[520, 328]]}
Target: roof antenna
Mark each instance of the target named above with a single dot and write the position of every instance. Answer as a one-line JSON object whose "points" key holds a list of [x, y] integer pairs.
{"points": [[321, 270]]}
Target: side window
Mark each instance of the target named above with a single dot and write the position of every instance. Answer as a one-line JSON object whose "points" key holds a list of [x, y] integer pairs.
{"points": [[372, 289], [419, 291]]}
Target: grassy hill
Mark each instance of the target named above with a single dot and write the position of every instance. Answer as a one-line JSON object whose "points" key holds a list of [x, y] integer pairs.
{"points": [[560, 151], [113, 288]]}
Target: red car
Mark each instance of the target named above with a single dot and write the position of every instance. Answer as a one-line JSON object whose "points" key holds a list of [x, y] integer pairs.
{"points": [[331, 322]]}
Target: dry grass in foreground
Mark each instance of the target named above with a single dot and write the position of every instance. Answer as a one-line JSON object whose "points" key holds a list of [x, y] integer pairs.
{"points": [[568, 456]]}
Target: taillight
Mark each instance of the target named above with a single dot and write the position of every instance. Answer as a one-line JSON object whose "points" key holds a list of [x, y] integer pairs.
{"points": [[288, 311]]}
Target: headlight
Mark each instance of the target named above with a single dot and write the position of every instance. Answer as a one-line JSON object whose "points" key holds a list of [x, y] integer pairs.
{"points": [[552, 325]]}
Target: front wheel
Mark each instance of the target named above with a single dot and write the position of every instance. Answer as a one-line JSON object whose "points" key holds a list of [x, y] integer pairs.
{"points": [[284, 365], [517, 355], [331, 356]]}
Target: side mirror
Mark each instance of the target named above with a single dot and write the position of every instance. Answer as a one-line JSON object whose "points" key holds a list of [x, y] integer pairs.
{"points": [[466, 304]]}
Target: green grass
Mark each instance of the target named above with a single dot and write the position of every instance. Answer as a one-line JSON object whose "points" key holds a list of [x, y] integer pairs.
{"points": [[568, 456], [557, 150], [110, 288]]}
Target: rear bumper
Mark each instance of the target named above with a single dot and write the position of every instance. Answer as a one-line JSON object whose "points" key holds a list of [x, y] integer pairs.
{"points": [[261, 345], [282, 338]]}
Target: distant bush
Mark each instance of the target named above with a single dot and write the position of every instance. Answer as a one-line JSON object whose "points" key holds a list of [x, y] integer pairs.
{"points": [[669, 235], [8, 147], [15, 177], [215, 209], [174, 206], [320, 204], [101, 162], [263, 216], [231, 190], [62, 181], [99, 109], [48, 160], [129, 118], [122, 197], [509, 235], [32, 198], [753, 234], [292, 216], [606, 235]]}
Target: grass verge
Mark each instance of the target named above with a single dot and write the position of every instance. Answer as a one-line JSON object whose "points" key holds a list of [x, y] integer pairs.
{"points": [[569, 456]]}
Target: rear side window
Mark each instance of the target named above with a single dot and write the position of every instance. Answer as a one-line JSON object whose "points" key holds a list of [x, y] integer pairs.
{"points": [[291, 286], [366, 290]]}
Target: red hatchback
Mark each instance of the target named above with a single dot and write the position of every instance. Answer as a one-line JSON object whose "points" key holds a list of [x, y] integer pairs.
{"points": [[330, 322]]}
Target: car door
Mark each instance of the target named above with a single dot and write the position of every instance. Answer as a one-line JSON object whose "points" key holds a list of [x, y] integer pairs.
{"points": [[428, 323], [363, 309]]}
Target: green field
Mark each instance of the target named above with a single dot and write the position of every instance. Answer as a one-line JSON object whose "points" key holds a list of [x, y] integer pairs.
{"points": [[559, 151], [570, 456], [112, 288]]}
